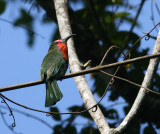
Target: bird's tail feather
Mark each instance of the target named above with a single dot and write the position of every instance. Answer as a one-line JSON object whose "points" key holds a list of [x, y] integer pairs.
{"points": [[53, 93]]}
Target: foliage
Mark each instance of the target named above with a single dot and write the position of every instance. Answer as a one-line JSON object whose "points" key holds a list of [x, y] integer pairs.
{"points": [[2, 6], [97, 25], [25, 20]]}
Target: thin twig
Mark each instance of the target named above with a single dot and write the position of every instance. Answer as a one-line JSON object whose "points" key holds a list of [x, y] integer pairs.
{"points": [[147, 36], [29, 115], [114, 46], [49, 113], [112, 79], [10, 110], [91, 70], [5, 122], [131, 82]]}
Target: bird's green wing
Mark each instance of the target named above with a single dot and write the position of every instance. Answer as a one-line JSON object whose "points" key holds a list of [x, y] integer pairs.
{"points": [[52, 64]]}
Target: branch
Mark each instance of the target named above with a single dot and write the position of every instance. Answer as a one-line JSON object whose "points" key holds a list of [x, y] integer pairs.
{"points": [[10, 110], [29, 115], [82, 72], [131, 82], [5, 122], [65, 29], [151, 70]]}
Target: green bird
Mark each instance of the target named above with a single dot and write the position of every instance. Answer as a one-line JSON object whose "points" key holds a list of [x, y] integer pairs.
{"points": [[54, 65]]}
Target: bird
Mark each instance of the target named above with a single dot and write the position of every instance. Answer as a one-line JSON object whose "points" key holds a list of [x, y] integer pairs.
{"points": [[54, 65]]}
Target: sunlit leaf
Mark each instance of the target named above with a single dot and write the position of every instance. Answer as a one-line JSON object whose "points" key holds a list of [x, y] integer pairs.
{"points": [[121, 14]]}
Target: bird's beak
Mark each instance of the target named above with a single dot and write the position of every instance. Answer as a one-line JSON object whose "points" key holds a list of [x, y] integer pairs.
{"points": [[66, 39]]}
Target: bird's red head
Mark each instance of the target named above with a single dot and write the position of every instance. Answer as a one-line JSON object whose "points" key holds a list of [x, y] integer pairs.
{"points": [[62, 44]]}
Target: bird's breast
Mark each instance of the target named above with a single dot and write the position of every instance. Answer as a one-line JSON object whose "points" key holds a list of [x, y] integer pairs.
{"points": [[64, 50]]}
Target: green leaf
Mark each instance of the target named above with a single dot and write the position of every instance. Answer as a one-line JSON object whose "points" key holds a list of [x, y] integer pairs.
{"points": [[25, 21], [57, 129], [57, 117], [121, 14], [101, 83], [2, 6], [109, 113], [70, 130], [134, 129], [126, 109], [120, 36]]}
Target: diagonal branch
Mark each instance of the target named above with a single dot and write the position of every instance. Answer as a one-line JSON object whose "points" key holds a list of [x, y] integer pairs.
{"points": [[151, 70], [65, 29]]}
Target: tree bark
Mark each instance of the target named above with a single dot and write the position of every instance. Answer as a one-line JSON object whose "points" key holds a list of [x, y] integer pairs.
{"points": [[98, 117], [74, 64], [151, 70]]}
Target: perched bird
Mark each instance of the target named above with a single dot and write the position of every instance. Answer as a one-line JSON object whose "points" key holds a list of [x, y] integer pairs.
{"points": [[54, 65]]}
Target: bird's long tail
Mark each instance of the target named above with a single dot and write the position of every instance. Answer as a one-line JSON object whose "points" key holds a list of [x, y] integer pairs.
{"points": [[53, 93]]}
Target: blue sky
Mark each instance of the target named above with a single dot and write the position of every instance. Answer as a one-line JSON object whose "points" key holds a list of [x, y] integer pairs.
{"points": [[20, 64]]}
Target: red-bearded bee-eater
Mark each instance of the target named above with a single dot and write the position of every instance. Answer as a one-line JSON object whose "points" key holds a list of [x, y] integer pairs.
{"points": [[54, 65]]}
